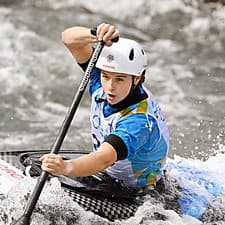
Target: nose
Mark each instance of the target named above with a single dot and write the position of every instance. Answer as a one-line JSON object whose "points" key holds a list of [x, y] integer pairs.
{"points": [[111, 84]]}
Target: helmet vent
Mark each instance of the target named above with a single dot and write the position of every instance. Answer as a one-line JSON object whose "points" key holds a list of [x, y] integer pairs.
{"points": [[143, 52], [131, 56]]}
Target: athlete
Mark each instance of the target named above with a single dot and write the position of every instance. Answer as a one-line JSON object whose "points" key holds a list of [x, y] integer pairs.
{"points": [[130, 136]]}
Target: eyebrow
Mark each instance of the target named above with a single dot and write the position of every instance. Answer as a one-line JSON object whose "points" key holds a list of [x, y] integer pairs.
{"points": [[117, 76], [121, 76]]}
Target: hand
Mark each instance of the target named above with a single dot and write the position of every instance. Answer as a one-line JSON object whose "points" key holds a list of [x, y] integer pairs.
{"points": [[53, 164], [107, 32]]}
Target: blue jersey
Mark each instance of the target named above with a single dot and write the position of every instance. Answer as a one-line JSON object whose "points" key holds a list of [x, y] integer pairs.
{"points": [[140, 126]]}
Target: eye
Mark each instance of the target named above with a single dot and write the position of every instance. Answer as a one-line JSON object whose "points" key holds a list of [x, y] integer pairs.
{"points": [[120, 79], [104, 76]]}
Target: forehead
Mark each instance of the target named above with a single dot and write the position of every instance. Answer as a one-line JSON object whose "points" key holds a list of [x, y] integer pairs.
{"points": [[113, 74]]}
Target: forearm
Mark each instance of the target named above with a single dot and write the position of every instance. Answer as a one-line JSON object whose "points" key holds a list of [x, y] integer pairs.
{"points": [[79, 41], [91, 163], [78, 37]]}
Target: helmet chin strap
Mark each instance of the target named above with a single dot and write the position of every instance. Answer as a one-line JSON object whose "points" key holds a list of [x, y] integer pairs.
{"points": [[132, 88]]}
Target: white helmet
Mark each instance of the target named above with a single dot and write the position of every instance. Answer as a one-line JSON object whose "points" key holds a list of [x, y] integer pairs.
{"points": [[125, 56]]}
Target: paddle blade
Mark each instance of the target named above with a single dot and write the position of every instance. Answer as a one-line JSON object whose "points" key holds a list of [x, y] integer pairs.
{"points": [[23, 220]]}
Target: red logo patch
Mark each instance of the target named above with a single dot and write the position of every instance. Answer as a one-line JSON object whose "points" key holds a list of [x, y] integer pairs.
{"points": [[110, 58]]}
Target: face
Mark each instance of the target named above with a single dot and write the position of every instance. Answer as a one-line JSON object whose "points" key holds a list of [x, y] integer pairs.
{"points": [[116, 86]]}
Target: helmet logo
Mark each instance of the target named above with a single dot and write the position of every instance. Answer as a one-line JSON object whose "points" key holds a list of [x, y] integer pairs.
{"points": [[110, 58]]}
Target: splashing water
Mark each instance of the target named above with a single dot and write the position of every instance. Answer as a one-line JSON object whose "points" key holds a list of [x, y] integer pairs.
{"points": [[201, 193]]}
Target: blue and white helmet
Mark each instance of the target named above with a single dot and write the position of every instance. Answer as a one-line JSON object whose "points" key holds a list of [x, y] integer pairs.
{"points": [[125, 56]]}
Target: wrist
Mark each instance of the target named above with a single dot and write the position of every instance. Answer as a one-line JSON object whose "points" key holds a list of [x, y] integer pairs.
{"points": [[68, 167]]}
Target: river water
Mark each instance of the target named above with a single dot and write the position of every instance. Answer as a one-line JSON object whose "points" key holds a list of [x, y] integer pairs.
{"points": [[185, 42]]}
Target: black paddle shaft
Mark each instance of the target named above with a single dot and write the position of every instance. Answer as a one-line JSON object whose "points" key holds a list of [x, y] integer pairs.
{"points": [[25, 219]]}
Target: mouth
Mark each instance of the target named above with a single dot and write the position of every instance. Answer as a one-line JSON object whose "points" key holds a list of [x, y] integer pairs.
{"points": [[111, 97]]}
